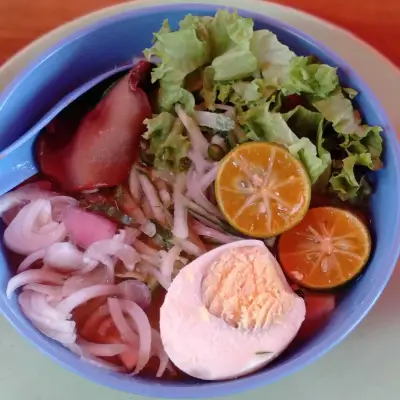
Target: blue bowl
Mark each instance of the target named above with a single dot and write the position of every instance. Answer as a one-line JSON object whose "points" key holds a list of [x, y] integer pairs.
{"points": [[112, 42]]}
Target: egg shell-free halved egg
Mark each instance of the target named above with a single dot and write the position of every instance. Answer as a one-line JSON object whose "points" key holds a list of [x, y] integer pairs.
{"points": [[196, 330]]}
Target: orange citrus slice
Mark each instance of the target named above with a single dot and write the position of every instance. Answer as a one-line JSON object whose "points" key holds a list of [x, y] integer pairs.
{"points": [[262, 190], [328, 248]]}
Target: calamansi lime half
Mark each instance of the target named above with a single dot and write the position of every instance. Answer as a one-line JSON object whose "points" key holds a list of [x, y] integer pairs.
{"points": [[328, 248], [262, 190]]}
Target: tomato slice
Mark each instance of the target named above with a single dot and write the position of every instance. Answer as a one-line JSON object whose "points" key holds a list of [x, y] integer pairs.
{"points": [[319, 308]]}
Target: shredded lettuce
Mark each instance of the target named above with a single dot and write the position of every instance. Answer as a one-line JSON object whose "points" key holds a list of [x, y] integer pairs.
{"points": [[167, 141]]}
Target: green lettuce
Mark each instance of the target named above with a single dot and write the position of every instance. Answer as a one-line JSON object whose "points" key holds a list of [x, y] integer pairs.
{"points": [[282, 69], [262, 124], [268, 126], [304, 76], [236, 63], [307, 153], [272, 56], [339, 110], [167, 142], [223, 32], [181, 52], [228, 37], [238, 93], [371, 144], [345, 183]]}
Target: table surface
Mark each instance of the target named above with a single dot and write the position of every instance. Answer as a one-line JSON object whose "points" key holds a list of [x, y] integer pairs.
{"points": [[375, 21]]}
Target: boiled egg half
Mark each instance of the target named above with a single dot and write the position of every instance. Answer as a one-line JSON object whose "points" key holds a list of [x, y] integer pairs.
{"points": [[229, 312]]}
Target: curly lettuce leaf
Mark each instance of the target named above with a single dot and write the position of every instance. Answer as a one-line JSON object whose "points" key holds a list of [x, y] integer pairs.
{"points": [[268, 126], [282, 69], [306, 152], [304, 76], [339, 110], [167, 141], [262, 124], [224, 32], [238, 93], [345, 183], [272, 56], [308, 126], [371, 143], [181, 52], [236, 63]]}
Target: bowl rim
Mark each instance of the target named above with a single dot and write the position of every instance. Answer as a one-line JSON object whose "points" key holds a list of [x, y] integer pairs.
{"points": [[210, 389]]}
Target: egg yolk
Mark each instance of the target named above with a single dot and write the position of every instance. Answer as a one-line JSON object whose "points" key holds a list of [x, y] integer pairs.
{"points": [[244, 289]]}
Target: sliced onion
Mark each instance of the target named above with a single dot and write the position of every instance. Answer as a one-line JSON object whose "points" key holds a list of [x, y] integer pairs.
{"points": [[48, 290], [197, 140], [151, 260], [194, 192], [44, 323], [33, 276], [167, 265], [105, 250], [60, 204], [156, 273], [25, 234], [223, 238], [136, 291], [130, 235], [147, 210], [32, 258], [134, 185], [180, 228], [143, 328], [208, 178], [63, 256], [61, 337], [199, 162], [91, 359], [102, 350], [24, 194], [83, 295], [189, 247], [163, 191], [230, 111], [143, 248], [157, 349], [217, 121], [151, 195], [41, 306], [78, 282], [126, 332]]}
